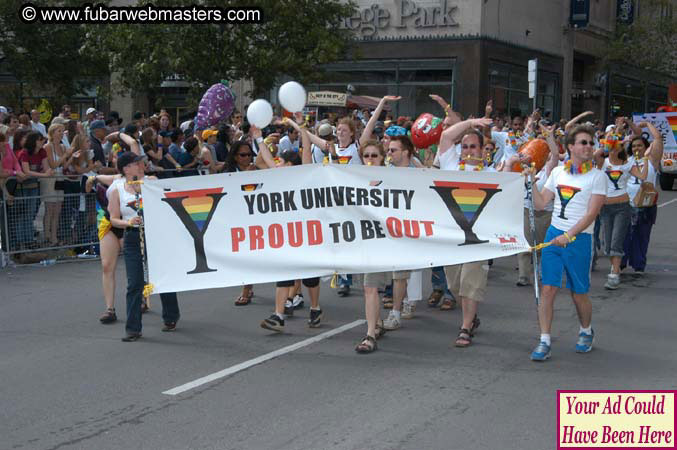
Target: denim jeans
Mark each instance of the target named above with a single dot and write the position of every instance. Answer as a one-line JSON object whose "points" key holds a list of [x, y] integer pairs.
{"points": [[134, 266], [615, 219], [637, 239], [345, 280], [26, 207]]}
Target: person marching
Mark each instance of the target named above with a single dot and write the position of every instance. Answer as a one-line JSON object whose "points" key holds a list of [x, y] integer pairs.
{"points": [[616, 213], [287, 159], [466, 281], [579, 191], [124, 206]]}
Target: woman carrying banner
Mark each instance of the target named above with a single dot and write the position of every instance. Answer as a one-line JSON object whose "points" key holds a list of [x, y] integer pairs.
{"points": [[466, 281], [616, 212], [287, 159], [124, 207], [643, 217], [579, 191]]}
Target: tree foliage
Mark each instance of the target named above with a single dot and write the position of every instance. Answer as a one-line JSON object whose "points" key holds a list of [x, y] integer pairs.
{"points": [[650, 42], [295, 37], [45, 57]]}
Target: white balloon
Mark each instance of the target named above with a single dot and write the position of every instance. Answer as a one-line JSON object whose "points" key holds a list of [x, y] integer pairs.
{"points": [[260, 113], [292, 96]]}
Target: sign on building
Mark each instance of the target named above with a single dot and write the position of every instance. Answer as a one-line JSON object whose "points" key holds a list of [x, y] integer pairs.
{"points": [[326, 98]]}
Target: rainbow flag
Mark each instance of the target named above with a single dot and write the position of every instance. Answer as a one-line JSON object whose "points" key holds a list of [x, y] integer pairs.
{"points": [[672, 120], [198, 204]]}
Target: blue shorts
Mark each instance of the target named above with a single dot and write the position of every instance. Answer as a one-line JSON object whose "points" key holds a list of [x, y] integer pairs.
{"points": [[575, 260]]}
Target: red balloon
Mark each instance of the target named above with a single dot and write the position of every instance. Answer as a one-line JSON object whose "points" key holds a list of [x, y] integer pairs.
{"points": [[426, 131]]}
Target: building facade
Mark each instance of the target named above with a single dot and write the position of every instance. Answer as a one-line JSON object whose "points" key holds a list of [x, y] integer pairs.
{"points": [[470, 51]]}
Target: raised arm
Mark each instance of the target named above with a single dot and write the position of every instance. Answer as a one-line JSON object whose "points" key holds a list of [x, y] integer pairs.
{"points": [[132, 143], [570, 124], [656, 147], [369, 129], [264, 154], [454, 132]]}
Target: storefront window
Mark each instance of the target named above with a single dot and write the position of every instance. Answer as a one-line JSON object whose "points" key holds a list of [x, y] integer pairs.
{"points": [[414, 80], [509, 89], [627, 96], [657, 96]]}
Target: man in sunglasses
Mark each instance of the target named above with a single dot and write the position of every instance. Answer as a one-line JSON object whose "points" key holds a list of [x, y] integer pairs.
{"points": [[579, 191]]}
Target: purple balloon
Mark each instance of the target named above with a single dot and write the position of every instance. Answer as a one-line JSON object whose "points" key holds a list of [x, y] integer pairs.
{"points": [[216, 105]]}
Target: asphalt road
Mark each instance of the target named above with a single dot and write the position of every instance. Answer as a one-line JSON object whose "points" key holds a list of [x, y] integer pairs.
{"points": [[67, 382]]}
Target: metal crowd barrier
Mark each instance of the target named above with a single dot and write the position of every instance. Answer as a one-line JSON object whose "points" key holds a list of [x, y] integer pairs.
{"points": [[26, 212]]}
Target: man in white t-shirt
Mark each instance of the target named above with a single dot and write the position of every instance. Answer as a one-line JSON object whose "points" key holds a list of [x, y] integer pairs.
{"points": [[579, 191], [289, 142], [36, 125]]}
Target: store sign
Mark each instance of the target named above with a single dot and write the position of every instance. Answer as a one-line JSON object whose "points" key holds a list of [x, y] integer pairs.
{"points": [[406, 14], [625, 12], [326, 98]]}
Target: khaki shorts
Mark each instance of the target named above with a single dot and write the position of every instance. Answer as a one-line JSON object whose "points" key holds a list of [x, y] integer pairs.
{"points": [[468, 280], [378, 279]]}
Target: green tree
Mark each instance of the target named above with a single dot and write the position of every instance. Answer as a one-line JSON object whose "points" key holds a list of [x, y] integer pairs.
{"points": [[293, 39], [650, 42], [45, 57]]}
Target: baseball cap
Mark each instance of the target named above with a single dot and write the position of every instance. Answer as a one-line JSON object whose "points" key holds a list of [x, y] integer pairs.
{"points": [[97, 124], [90, 111], [325, 130], [127, 158], [610, 128], [207, 133]]}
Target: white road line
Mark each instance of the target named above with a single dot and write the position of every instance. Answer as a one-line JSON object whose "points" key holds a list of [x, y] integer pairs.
{"points": [[667, 203], [261, 359]]}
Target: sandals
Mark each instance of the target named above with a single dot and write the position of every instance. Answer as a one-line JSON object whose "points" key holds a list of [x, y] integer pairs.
{"points": [[368, 345], [387, 303], [464, 338], [448, 304], [109, 316], [475, 325], [435, 297], [242, 300]]}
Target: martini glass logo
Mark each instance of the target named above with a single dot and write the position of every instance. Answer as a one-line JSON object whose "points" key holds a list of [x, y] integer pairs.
{"points": [[614, 176], [195, 209], [566, 193], [465, 202]]}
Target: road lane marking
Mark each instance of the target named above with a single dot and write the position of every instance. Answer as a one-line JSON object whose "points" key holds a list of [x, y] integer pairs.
{"points": [[668, 202], [261, 359]]}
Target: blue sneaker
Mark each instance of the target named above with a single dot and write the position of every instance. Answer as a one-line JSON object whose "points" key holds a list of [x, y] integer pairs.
{"points": [[584, 344], [541, 352]]}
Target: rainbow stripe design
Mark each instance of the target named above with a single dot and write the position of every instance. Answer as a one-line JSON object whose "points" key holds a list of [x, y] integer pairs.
{"points": [[133, 204], [344, 159], [672, 120], [614, 176], [250, 187], [468, 196], [198, 205]]}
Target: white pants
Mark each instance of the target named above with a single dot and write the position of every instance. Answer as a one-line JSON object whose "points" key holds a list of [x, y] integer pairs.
{"points": [[415, 286]]}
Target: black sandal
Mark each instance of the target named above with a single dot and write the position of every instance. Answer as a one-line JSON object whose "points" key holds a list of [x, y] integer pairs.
{"points": [[380, 330], [475, 325], [109, 316], [464, 338], [368, 345]]}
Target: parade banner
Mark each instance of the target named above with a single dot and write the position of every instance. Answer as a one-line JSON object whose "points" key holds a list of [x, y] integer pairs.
{"points": [[316, 220], [666, 124]]}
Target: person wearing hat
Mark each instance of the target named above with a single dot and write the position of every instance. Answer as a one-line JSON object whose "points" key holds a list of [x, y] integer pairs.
{"points": [[208, 151], [124, 211], [326, 132], [89, 116], [97, 135]]}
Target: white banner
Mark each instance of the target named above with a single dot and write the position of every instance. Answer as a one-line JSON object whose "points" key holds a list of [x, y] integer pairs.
{"points": [[666, 124], [316, 220]]}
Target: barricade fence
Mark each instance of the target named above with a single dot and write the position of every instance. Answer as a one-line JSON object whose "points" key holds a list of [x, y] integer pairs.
{"points": [[55, 213]]}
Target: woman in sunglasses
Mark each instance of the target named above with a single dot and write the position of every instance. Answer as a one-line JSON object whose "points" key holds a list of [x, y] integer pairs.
{"points": [[616, 213]]}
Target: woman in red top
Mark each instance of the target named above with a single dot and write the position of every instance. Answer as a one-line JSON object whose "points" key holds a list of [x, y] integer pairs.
{"points": [[33, 159]]}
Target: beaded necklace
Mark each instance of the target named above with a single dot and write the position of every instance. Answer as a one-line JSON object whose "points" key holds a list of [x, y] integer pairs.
{"points": [[582, 169], [478, 167]]}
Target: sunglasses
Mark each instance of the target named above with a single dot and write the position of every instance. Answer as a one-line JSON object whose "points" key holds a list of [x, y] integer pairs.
{"points": [[244, 155], [393, 150], [469, 146], [370, 155], [584, 142]]}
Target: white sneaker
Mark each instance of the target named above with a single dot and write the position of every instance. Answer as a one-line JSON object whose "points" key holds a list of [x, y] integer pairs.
{"points": [[392, 322], [298, 301], [612, 281], [408, 310]]}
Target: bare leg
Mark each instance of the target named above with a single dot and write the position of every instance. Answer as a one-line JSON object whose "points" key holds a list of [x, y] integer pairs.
{"points": [[545, 308], [583, 308], [615, 264], [314, 293], [372, 308], [110, 250], [469, 307], [280, 299], [399, 291]]}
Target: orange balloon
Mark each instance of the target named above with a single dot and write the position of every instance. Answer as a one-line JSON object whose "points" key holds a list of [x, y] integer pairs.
{"points": [[535, 151]]}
